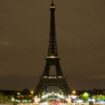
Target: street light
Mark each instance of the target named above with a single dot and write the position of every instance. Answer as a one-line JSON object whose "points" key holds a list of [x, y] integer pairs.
{"points": [[32, 92], [73, 92]]}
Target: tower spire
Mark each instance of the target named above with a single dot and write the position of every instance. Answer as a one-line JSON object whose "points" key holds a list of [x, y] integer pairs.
{"points": [[52, 50], [52, 2]]}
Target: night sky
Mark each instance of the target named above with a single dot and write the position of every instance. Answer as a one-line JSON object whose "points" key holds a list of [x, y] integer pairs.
{"points": [[24, 34]]}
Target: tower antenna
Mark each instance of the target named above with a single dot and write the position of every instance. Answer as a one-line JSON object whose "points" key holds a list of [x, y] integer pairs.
{"points": [[52, 2]]}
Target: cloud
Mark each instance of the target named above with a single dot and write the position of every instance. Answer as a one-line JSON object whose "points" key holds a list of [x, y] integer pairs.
{"points": [[5, 43], [99, 77]]}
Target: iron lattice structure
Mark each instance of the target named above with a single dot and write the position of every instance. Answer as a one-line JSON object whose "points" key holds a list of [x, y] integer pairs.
{"points": [[52, 59]]}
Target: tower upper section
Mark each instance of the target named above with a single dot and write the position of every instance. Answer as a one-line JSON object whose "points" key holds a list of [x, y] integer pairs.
{"points": [[52, 50]]}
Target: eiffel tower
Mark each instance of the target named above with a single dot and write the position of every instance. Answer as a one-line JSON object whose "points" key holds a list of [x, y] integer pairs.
{"points": [[48, 80]]}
